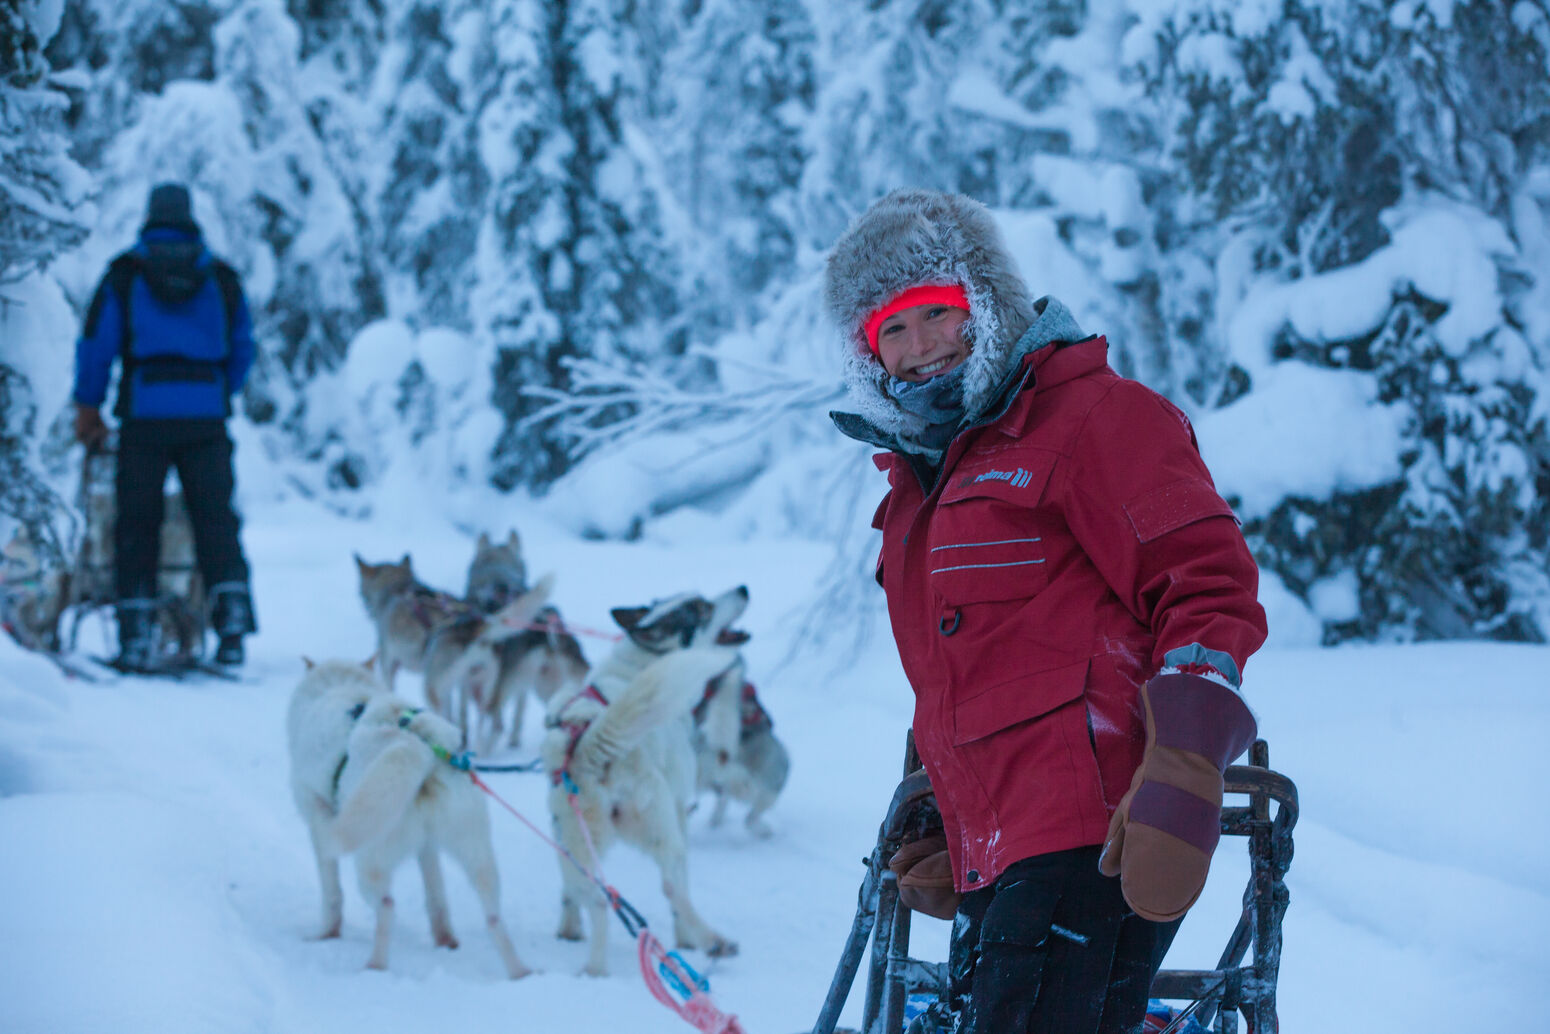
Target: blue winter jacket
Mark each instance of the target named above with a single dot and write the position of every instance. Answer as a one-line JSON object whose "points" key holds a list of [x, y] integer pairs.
{"points": [[175, 316]]}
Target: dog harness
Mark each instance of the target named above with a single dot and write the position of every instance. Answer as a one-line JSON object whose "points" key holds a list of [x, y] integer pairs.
{"points": [[574, 730], [752, 717], [344, 756], [432, 607]]}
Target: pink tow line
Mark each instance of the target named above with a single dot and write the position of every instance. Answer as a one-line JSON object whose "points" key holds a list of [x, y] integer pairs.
{"points": [[670, 979]]}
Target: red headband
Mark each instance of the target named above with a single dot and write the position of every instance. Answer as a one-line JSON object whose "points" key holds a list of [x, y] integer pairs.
{"points": [[925, 294]]}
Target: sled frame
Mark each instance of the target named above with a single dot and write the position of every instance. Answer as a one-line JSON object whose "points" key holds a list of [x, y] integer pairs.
{"points": [[1234, 987], [181, 612]]}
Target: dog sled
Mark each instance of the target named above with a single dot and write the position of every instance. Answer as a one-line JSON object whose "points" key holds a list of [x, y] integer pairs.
{"points": [[1259, 806], [46, 608]]}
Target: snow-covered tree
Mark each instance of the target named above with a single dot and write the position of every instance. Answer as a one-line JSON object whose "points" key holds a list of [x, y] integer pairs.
{"points": [[41, 191], [1370, 190]]}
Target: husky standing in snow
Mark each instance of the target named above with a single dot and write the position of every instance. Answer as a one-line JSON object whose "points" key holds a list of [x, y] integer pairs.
{"points": [[464, 663], [540, 659], [620, 755], [367, 780], [405, 612], [738, 754]]}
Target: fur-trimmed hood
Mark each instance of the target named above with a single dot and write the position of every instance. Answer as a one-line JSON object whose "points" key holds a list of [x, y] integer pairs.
{"points": [[911, 237]]}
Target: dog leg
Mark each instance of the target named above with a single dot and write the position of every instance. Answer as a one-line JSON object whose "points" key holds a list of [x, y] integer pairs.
{"points": [[570, 917], [597, 957], [460, 694], [488, 718], [333, 896], [519, 692], [436, 899], [754, 821], [575, 890], [718, 814], [689, 929], [376, 888], [477, 857]]}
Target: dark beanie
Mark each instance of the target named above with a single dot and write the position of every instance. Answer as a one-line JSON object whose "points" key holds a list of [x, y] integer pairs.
{"points": [[170, 208]]}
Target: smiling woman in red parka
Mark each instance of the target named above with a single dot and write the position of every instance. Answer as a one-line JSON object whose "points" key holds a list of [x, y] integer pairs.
{"points": [[1072, 601]]}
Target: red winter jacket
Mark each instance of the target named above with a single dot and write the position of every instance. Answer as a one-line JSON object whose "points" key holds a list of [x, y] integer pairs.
{"points": [[1064, 551]]}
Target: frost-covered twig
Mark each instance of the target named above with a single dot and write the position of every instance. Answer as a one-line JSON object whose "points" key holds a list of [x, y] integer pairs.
{"points": [[607, 403]]}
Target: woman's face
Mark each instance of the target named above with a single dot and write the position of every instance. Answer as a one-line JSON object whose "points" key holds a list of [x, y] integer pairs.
{"points": [[922, 342]]}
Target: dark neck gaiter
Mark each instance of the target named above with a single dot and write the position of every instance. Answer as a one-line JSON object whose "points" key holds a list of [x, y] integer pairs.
{"points": [[937, 403]]}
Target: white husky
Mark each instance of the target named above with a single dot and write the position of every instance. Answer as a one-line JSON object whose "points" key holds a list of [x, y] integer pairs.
{"points": [[367, 780], [620, 754]]}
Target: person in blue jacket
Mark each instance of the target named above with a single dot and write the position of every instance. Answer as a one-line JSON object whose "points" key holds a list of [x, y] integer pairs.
{"points": [[174, 318]]}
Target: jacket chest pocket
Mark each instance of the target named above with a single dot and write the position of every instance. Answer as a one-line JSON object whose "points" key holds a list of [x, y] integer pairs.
{"points": [[985, 544]]}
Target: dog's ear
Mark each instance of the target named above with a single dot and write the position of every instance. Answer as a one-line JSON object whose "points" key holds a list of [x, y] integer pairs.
{"points": [[362, 565], [404, 563], [628, 617], [512, 540], [484, 542], [370, 663], [309, 662]]}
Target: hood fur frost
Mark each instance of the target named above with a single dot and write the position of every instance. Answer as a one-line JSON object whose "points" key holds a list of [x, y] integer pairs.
{"points": [[911, 237]]}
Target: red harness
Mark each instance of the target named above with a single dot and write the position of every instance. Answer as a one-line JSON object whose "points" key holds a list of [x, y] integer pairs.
{"points": [[751, 714], [574, 729]]}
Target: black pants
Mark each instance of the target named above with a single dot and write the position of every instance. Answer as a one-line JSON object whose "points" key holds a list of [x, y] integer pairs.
{"points": [[1012, 971], [201, 451]]}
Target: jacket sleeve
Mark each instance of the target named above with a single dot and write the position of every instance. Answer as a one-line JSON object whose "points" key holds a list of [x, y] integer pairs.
{"points": [[1144, 508], [101, 336], [240, 357]]}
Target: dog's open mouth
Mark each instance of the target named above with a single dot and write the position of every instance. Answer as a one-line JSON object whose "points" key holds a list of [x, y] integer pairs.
{"points": [[731, 637]]}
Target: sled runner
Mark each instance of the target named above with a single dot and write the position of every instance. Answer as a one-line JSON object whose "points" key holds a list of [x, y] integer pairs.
{"points": [[1236, 985]]}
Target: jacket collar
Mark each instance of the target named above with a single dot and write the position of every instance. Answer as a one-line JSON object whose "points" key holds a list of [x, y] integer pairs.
{"points": [[1042, 369], [1049, 367]]}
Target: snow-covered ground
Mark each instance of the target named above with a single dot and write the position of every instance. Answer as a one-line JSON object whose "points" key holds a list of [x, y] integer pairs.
{"points": [[156, 877]]}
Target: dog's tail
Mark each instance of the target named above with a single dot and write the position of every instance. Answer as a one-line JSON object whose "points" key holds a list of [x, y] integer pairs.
{"points": [[383, 793], [666, 689], [517, 616]]}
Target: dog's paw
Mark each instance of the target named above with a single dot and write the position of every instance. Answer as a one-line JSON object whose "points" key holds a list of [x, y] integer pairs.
{"points": [[760, 829], [446, 939], [721, 948], [329, 933], [590, 970], [568, 933]]}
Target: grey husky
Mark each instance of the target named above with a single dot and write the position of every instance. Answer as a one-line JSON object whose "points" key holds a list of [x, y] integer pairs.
{"points": [[404, 612], [541, 659], [737, 755], [464, 662], [621, 763]]}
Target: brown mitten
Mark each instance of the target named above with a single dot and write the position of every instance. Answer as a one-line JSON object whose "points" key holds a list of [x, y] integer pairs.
{"points": [[1166, 827], [925, 873]]}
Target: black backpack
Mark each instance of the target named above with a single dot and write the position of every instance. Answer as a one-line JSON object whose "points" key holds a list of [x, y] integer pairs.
{"points": [[168, 284]]}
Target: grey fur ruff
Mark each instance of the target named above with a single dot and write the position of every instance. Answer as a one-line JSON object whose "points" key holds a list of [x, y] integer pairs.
{"points": [[911, 237]]}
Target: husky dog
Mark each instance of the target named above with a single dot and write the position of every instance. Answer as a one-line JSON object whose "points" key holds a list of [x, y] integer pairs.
{"points": [[463, 658], [32, 596], [367, 780], [496, 574], [736, 751], [405, 612], [620, 758], [542, 659]]}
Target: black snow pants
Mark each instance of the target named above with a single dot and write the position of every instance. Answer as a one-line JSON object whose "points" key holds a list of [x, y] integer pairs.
{"points": [[201, 451], [1052, 948]]}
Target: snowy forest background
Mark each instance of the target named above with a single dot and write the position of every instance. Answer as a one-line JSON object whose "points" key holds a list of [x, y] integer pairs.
{"points": [[492, 246]]}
